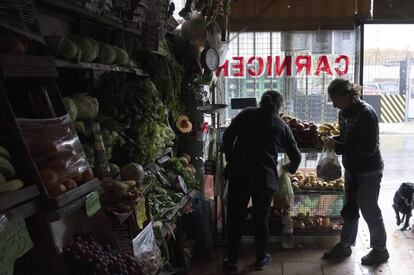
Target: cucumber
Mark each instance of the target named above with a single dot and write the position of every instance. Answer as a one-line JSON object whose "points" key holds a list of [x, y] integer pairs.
{"points": [[6, 168], [11, 185], [2, 178], [4, 153]]}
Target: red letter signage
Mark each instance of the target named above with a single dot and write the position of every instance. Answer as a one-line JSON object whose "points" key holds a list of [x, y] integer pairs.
{"points": [[260, 68], [225, 68], [306, 64], [239, 66], [287, 64], [323, 65], [338, 60]]}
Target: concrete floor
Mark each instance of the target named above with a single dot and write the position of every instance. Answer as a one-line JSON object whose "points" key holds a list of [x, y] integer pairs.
{"points": [[398, 153]]}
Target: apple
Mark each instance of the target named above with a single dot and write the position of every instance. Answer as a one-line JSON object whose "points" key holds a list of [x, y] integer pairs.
{"points": [[313, 127], [300, 127]]}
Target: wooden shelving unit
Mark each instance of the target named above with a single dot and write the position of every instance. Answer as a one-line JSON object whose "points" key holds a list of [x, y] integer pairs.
{"points": [[77, 11], [98, 67]]}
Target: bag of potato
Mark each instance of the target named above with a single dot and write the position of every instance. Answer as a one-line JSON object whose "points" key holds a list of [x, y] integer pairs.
{"points": [[147, 252], [328, 167], [283, 197]]}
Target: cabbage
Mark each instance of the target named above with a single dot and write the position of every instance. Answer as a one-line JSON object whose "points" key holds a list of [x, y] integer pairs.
{"points": [[88, 46], [107, 53], [61, 47], [68, 49], [88, 107], [71, 108], [122, 57]]}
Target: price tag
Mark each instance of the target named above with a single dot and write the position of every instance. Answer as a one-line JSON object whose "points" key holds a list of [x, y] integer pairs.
{"points": [[92, 204], [14, 243], [183, 185], [140, 213]]}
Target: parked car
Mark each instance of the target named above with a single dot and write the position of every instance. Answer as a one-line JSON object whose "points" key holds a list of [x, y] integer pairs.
{"points": [[381, 88]]}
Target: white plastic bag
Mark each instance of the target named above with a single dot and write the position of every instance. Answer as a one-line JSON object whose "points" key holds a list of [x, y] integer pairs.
{"points": [[147, 252], [328, 167], [283, 197]]}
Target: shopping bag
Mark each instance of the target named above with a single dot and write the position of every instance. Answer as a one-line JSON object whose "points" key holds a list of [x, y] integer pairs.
{"points": [[328, 167], [147, 252], [283, 198]]}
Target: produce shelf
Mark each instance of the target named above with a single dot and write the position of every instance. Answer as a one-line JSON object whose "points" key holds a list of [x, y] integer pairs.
{"points": [[11, 199], [76, 193], [319, 192], [78, 11], [60, 63], [24, 210], [13, 65], [304, 150], [70, 207], [317, 233]]}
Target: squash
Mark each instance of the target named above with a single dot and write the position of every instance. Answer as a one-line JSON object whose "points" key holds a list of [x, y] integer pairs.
{"points": [[183, 124]]}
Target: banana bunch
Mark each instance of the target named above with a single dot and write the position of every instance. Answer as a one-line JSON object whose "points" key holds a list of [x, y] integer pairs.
{"points": [[8, 182], [328, 129]]}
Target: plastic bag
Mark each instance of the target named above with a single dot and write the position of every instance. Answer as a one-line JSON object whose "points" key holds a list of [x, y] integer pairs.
{"points": [[283, 198], [328, 167], [57, 152], [147, 252]]}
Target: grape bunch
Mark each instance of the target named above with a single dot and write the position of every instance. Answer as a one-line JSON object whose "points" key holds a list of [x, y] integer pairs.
{"points": [[85, 256]]}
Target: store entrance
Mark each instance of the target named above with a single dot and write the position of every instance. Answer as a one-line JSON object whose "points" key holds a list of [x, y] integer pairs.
{"points": [[388, 85]]}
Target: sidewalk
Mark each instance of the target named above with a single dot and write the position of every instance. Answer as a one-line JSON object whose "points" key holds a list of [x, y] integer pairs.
{"points": [[397, 128]]}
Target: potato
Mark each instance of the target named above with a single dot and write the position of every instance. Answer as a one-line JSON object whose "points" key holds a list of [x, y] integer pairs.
{"points": [[87, 175], [70, 184], [57, 190], [49, 177]]}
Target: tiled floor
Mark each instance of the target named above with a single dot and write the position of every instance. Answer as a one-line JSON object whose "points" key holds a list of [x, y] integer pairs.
{"points": [[398, 152]]}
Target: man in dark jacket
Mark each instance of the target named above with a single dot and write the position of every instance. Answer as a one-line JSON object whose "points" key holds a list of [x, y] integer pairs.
{"points": [[251, 145], [359, 145]]}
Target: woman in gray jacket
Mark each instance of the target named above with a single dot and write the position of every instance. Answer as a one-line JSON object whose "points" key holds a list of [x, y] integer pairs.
{"points": [[358, 143]]}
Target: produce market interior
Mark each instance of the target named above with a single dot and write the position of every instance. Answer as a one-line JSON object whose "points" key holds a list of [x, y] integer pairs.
{"points": [[117, 120]]}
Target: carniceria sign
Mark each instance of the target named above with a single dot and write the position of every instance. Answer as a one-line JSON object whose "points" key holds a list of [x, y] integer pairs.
{"points": [[277, 66]]}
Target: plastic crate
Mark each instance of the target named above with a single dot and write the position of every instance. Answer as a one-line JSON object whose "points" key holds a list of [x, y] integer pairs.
{"points": [[318, 204]]}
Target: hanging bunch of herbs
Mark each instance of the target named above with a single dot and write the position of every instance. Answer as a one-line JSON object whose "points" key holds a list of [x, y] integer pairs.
{"points": [[134, 110], [166, 73]]}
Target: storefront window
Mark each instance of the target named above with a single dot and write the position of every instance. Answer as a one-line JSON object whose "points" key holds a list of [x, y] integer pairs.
{"points": [[388, 71], [298, 64]]}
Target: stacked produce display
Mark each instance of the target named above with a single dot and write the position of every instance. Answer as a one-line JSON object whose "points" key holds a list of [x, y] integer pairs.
{"points": [[308, 134], [57, 152], [86, 256], [97, 111], [88, 50], [301, 181]]}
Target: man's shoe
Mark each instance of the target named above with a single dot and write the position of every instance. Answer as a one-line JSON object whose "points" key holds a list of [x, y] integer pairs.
{"points": [[260, 265], [339, 251], [229, 267], [375, 257]]}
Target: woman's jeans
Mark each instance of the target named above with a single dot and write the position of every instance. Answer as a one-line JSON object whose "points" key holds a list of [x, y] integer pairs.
{"points": [[361, 193]]}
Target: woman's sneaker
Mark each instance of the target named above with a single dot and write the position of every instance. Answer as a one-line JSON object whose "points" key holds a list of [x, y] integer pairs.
{"points": [[260, 265], [339, 251], [375, 257]]}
